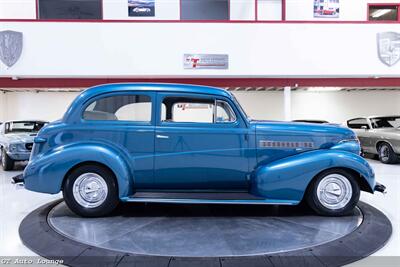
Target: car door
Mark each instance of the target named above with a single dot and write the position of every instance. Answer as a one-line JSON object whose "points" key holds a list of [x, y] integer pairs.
{"points": [[197, 150]]}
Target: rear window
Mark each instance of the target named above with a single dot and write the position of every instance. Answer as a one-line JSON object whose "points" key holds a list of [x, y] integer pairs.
{"points": [[135, 108]]}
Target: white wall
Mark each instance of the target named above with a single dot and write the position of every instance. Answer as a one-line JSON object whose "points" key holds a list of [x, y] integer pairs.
{"points": [[44, 105], [72, 49], [262, 105], [269, 10], [335, 107], [17, 9], [118, 9], [338, 107], [2, 107], [52, 105]]}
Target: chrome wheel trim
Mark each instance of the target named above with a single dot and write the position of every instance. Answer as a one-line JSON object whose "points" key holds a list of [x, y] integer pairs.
{"points": [[90, 190], [384, 153], [334, 191]]}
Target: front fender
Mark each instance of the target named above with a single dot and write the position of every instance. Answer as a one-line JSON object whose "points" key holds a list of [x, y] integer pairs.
{"points": [[45, 173], [288, 178]]}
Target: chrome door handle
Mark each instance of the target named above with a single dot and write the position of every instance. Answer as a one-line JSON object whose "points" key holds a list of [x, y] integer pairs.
{"points": [[162, 136]]}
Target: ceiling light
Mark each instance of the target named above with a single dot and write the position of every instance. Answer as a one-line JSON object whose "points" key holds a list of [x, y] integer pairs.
{"points": [[324, 89]]}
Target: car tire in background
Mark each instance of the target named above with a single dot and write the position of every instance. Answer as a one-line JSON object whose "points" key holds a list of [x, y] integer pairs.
{"points": [[386, 154], [7, 163], [334, 192], [91, 191]]}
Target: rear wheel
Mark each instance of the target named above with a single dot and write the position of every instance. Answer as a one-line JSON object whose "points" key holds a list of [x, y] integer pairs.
{"points": [[333, 193], [7, 163], [91, 191], [386, 154]]}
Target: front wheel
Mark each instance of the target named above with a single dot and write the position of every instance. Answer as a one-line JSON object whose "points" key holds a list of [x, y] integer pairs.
{"points": [[7, 163], [386, 154], [91, 191], [334, 192]]}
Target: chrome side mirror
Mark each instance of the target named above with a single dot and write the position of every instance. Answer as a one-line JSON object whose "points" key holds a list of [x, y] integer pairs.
{"points": [[364, 127]]}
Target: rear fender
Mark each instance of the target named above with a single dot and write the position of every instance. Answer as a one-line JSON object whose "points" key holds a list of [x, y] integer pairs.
{"points": [[45, 173], [288, 178]]}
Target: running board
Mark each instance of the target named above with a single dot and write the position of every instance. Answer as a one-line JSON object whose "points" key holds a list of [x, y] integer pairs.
{"points": [[196, 195], [204, 198]]}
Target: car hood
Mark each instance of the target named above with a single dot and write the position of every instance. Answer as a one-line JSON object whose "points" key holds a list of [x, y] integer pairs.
{"points": [[20, 138], [276, 140], [304, 131]]}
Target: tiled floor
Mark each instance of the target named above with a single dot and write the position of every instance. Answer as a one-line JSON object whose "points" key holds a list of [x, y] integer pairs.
{"points": [[15, 204]]}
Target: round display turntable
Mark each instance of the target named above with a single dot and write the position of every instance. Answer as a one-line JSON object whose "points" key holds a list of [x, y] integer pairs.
{"points": [[205, 235]]}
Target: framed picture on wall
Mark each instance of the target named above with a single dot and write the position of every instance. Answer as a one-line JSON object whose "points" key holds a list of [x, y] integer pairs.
{"points": [[326, 9], [141, 8]]}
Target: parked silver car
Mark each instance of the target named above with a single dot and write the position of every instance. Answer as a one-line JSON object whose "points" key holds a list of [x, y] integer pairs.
{"points": [[16, 141], [379, 136]]}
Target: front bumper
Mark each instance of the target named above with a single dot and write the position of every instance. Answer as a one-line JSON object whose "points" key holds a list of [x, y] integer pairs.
{"points": [[18, 179], [19, 156], [380, 188]]}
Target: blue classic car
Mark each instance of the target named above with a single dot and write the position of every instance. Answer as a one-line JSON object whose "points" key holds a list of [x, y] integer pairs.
{"points": [[191, 144]]}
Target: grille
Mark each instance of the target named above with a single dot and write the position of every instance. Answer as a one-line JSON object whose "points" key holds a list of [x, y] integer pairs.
{"points": [[284, 144]]}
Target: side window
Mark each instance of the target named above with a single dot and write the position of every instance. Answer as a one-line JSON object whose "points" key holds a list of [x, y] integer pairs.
{"points": [[358, 123], [224, 113], [184, 109], [120, 108]]}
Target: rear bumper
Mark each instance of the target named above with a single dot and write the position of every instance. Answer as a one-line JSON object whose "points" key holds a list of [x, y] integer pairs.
{"points": [[380, 188]]}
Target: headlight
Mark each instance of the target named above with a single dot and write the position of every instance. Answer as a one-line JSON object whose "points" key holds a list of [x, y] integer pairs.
{"points": [[350, 145], [350, 140], [12, 147]]}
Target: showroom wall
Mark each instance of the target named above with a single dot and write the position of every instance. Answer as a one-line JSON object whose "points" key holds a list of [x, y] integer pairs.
{"points": [[3, 107], [262, 105], [340, 106], [30, 105], [336, 107], [332, 106], [260, 50]]}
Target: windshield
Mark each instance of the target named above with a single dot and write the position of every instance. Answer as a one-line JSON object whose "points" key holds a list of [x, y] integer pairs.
{"points": [[23, 127], [240, 107], [385, 122]]}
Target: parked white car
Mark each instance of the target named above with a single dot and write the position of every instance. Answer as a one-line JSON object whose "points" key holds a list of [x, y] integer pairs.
{"points": [[16, 141]]}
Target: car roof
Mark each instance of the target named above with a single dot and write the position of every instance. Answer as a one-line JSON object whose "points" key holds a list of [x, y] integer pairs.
{"points": [[373, 117], [386, 116], [154, 87]]}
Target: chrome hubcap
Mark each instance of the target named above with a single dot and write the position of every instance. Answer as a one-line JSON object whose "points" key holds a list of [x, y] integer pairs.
{"points": [[90, 190], [334, 191], [384, 153]]}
